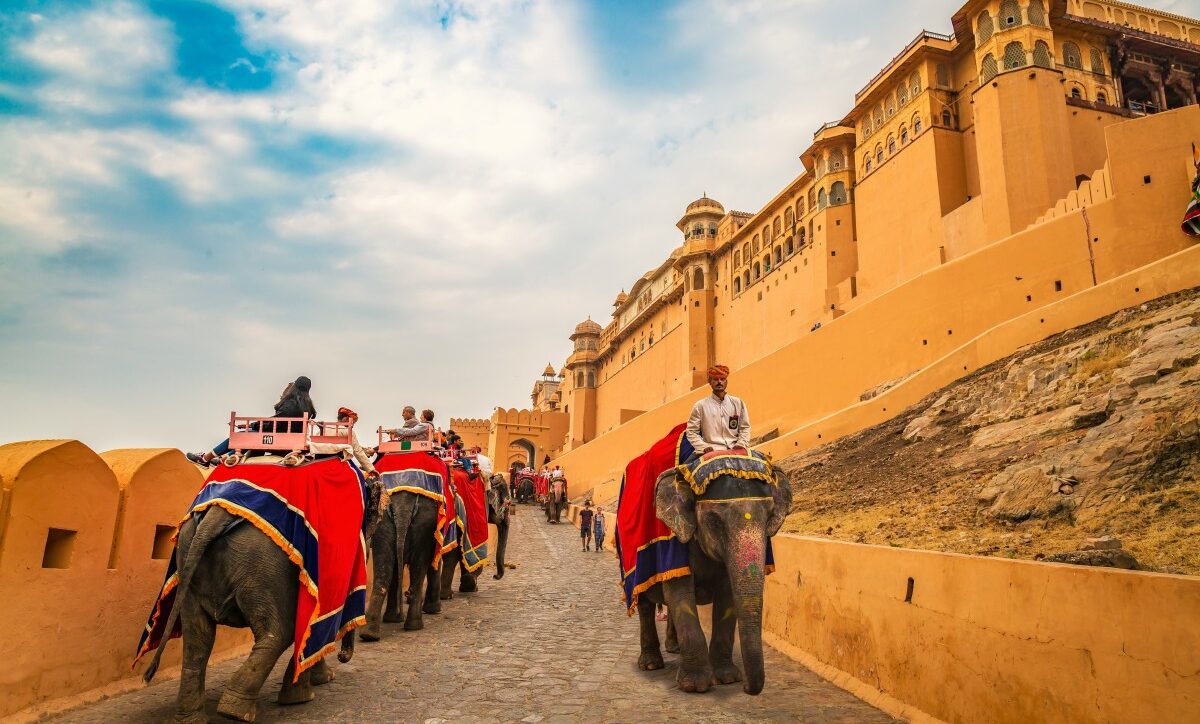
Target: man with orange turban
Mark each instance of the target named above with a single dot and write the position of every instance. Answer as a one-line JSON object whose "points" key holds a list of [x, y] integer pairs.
{"points": [[719, 421]]}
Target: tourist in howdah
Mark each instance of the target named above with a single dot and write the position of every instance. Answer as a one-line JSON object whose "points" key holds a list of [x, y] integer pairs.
{"points": [[412, 429], [585, 524], [483, 461], [719, 421], [294, 401], [361, 456]]}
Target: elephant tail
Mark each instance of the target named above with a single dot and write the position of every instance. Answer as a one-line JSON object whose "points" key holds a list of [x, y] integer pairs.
{"points": [[211, 526]]}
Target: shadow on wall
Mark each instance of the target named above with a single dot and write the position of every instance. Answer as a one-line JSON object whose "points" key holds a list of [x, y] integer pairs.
{"points": [[84, 543]]}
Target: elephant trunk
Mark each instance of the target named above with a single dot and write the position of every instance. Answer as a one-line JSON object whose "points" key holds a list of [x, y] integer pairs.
{"points": [[746, 573]]}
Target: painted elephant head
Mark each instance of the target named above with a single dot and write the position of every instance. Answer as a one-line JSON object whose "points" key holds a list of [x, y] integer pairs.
{"points": [[732, 528]]}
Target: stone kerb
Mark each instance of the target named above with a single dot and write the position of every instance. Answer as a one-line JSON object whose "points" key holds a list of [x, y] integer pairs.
{"points": [[967, 638], [84, 541]]}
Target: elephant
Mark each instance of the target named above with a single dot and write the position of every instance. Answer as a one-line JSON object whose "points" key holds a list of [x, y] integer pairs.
{"points": [[556, 500], [404, 536], [230, 573], [726, 536], [500, 503], [526, 490]]}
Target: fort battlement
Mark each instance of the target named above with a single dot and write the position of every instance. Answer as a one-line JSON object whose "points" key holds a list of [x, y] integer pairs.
{"points": [[84, 543]]}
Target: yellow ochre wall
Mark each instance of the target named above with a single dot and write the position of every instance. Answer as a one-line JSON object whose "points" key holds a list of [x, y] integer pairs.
{"points": [[74, 628], [985, 639]]}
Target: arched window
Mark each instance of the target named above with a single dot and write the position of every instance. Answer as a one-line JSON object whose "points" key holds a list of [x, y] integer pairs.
{"points": [[984, 27], [1102, 98], [812, 198], [902, 95], [757, 271], [767, 264], [776, 227], [822, 199], [837, 159], [947, 118], [1037, 13], [1071, 57], [737, 285], [1076, 93], [799, 208], [1041, 54], [1014, 55], [754, 245], [803, 237], [867, 163], [837, 193], [943, 75], [766, 234], [1010, 14], [698, 278], [891, 144], [1097, 62], [789, 246], [579, 378], [987, 68], [746, 252], [879, 115], [916, 125], [914, 82], [778, 255], [591, 376], [737, 257], [878, 155], [787, 217], [712, 229], [891, 105], [903, 135]]}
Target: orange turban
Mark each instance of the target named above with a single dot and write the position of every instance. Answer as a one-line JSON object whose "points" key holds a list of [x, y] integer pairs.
{"points": [[346, 412], [719, 372]]}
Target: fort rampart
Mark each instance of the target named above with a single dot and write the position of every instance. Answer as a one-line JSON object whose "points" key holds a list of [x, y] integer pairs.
{"points": [[84, 543]]}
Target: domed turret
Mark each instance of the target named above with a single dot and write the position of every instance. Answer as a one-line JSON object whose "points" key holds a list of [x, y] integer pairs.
{"points": [[705, 204], [621, 297], [549, 371], [587, 326], [701, 217]]}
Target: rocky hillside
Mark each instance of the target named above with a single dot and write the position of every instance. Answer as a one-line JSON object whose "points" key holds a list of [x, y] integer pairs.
{"points": [[1082, 448]]}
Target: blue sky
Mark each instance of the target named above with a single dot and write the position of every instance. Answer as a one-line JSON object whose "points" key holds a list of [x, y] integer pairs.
{"points": [[408, 202]]}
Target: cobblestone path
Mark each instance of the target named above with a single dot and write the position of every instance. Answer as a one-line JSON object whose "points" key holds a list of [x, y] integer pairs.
{"points": [[548, 643]]}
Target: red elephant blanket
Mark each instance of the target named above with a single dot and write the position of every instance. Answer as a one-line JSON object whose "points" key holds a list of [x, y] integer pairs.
{"points": [[421, 473], [314, 513], [472, 519]]}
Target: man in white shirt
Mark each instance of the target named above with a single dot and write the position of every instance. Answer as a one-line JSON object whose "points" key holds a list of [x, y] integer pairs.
{"points": [[719, 421], [484, 462]]}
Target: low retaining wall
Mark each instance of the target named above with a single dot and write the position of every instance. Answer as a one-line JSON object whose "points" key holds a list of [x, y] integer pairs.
{"points": [[967, 638], [84, 541]]}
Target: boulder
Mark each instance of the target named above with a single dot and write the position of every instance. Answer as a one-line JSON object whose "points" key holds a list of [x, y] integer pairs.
{"points": [[1103, 543], [1103, 558]]}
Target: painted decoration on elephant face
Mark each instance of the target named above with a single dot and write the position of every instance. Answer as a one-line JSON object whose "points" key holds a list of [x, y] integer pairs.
{"points": [[314, 513]]}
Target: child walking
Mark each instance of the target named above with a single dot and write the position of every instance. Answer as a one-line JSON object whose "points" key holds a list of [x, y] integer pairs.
{"points": [[598, 528]]}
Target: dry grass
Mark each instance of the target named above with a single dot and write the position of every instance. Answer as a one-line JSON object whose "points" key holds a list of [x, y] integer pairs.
{"points": [[1102, 360]]}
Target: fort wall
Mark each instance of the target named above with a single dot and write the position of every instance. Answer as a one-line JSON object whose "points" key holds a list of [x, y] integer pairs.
{"points": [[472, 431], [84, 542]]}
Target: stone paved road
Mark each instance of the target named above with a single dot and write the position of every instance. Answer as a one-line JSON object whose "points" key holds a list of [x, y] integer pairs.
{"points": [[549, 643]]}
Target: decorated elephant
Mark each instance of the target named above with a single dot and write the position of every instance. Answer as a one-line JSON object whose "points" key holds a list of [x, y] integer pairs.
{"points": [[408, 534], [467, 535], [230, 567], [500, 504], [726, 522], [556, 500]]}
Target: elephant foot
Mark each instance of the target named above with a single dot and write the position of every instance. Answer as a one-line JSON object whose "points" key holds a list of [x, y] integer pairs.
{"points": [[392, 617], [370, 632], [650, 661], [321, 674], [298, 694], [726, 673], [447, 594], [671, 647], [695, 682], [238, 707], [434, 607], [415, 625], [191, 717], [467, 585]]}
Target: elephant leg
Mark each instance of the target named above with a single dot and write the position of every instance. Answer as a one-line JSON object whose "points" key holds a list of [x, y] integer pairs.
{"points": [[298, 692], [392, 613], [695, 671], [449, 565], [383, 564], [501, 545], [239, 701], [466, 579], [672, 643], [418, 572], [321, 673], [200, 631], [651, 657], [724, 624], [433, 591], [404, 518]]}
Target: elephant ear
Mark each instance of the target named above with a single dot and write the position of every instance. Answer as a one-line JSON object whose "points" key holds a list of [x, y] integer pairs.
{"points": [[675, 505], [781, 495]]}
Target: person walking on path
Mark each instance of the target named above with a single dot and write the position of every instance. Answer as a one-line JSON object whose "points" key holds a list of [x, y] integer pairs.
{"points": [[585, 523], [719, 421], [598, 528]]}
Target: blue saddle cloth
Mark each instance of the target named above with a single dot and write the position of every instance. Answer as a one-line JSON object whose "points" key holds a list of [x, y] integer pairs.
{"points": [[746, 465]]}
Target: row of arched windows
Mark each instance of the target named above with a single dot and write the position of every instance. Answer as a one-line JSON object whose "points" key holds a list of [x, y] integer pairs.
{"points": [[1015, 57], [873, 160], [771, 260], [1010, 17], [699, 231], [782, 224], [874, 120]]}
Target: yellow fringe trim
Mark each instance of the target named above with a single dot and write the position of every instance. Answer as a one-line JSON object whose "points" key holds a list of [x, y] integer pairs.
{"points": [[652, 581], [685, 472], [170, 585]]}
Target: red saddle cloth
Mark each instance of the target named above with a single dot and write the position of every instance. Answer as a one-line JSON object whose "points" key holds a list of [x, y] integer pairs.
{"points": [[475, 526]]}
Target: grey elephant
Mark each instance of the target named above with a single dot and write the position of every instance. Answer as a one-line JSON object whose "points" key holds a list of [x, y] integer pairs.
{"points": [[500, 502], [404, 537], [230, 573], [556, 500], [726, 530]]}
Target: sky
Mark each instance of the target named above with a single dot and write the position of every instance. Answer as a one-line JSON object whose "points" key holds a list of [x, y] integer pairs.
{"points": [[408, 202]]}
